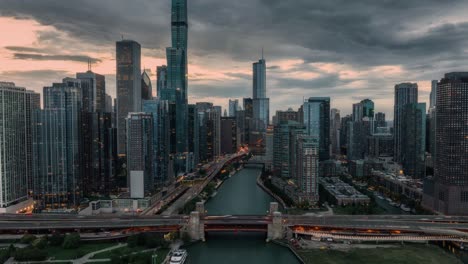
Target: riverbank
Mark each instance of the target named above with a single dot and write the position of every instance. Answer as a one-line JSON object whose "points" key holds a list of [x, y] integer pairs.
{"points": [[271, 193]]}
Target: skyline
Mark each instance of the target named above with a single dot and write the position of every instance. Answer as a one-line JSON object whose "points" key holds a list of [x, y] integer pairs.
{"points": [[47, 43]]}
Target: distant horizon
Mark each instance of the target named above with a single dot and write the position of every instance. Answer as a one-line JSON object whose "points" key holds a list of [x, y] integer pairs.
{"points": [[350, 51]]}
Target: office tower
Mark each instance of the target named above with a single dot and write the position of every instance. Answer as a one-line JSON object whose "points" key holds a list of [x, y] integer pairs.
{"points": [[128, 55], [93, 91], [363, 109], [146, 87], [284, 116], [98, 153], [194, 133], [14, 148], [413, 154], [344, 134], [317, 121], [240, 119], [161, 76], [433, 95], [261, 104], [361, 127], [405, 93], [140, 148], [109, 108], [248, 119], [281, 147], [335, 124], [294, 134], [229, 135], [58, 146], [432, 119], [179, 24], [448, 194], [269, 146], [209, 131], [33, 104], [159, 109], [380, 145], [233, 107], [307, 168], [380, 120]]}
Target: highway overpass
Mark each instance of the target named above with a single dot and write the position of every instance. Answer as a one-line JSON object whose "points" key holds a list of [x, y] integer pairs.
{"points": [[275, 225]]}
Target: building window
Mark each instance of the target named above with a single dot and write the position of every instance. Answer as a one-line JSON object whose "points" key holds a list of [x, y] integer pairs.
{"points": [[464, 197]]}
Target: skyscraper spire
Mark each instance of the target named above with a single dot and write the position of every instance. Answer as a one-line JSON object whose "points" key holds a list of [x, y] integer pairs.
{"points": [[262, 53]]}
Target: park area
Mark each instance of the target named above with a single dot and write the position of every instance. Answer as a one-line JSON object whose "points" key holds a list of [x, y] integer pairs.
{"points": [[408, 254]]}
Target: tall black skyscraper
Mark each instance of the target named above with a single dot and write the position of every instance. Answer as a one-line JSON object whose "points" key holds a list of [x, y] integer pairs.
{"points": [[128, 87], [405, 93], [449, 193]]}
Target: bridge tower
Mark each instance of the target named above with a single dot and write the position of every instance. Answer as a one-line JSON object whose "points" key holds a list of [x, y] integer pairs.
{"points": [[275, 229], [196, 227]]}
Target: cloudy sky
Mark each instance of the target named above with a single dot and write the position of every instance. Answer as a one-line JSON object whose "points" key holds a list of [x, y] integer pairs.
{"points": [[348, 50]]}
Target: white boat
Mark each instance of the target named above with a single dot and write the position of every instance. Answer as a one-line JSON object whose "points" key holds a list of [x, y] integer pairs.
{"points": [[178, 257]]}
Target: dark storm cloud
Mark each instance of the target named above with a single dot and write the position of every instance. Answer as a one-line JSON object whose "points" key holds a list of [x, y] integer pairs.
{"points": [[424, 37], [42, 57], [23, 49]]}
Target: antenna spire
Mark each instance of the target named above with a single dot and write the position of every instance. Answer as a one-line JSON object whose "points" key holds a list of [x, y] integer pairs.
{"points": [[89, 64], [262, 53]]}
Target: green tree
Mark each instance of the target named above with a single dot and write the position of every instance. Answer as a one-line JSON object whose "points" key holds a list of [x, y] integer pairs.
{"points": [[71, 241], [56, 240], [30, 254], [28, 239]]}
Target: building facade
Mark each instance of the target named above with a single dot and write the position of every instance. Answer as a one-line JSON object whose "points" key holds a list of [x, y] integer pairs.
{"points": [[405, 93], [317, 121], [128, 87]]}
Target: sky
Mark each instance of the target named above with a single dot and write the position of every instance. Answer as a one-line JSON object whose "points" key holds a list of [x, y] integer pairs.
{"points": [[348, 50]]}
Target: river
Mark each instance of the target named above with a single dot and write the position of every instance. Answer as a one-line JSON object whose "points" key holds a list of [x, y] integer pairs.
{"points": [[239, 195]]}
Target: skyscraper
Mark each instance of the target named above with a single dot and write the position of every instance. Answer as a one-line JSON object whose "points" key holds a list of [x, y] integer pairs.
{"points": [[161, 76], [361, 127], [233, 107], [317, 121], [140, 148], [14, 148], [307, 168], [229, 135], [380, 120], [98, 153], [281, 147], [405, 93], [128, 87], [449, 193], [179, 24], [33, 104], [413, 149], [261, 104], [58, 146], [93, 91], [335, 124], [146, 87]]}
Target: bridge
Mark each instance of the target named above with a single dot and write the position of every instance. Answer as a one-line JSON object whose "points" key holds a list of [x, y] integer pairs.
{"points": [[275, 225]]}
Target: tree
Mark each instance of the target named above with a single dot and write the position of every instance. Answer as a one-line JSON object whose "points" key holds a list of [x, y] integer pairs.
{"points": [[56, 240], [40, 243], [71, 241], [30, 254], [28, 239]]}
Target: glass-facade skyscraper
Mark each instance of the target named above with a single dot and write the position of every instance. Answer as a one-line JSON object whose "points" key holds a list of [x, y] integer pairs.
{"points": [[405, 93], [128, 87], [261, 104], [317, 122], [413, 150], [93, 91], [58, 181]]}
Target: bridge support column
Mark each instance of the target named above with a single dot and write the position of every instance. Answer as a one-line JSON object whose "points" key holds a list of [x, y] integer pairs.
{"points": [[200, 208], [275, 229], [196, 227], [273, 208]]}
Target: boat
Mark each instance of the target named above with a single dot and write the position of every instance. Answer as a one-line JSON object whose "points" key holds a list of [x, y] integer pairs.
{"points": [[178, 257]]}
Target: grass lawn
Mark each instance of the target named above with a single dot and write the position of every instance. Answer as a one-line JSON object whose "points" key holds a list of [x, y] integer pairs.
{"points": [[60, 253], [409, 254], [162, 253], [120, 251]]}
